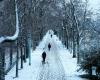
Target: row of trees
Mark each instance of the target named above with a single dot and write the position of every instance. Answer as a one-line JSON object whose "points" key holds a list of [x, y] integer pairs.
{"points": [[81, 33], [29, 20], [70, 19]]}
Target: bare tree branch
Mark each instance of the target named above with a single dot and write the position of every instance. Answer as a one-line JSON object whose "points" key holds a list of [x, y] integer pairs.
{"points": [[14, 37]]}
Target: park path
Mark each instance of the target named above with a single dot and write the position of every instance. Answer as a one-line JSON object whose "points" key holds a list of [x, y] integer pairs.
{"points": [[53, 69], [59, 63]]}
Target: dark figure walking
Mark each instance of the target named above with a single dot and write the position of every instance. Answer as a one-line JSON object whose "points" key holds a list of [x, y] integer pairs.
{"points": [[43, 57], [49, 46], [51, 35]]}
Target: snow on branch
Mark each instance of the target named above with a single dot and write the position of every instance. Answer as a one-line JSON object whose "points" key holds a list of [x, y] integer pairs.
{"points": [[14, 37]]}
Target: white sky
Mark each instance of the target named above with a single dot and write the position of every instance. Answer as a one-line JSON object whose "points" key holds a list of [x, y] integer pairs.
{"points": [[94, 4]]}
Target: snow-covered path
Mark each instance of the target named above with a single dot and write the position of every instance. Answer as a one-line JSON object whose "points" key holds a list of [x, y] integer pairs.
{"points": [[53, 69], [59, 63]]}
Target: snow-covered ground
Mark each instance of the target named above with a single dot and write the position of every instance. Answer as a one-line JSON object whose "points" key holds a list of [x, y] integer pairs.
{"points": [[59, 63]]}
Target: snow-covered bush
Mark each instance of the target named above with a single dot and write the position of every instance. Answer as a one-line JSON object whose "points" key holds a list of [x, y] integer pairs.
{"points": [[90, 61]]}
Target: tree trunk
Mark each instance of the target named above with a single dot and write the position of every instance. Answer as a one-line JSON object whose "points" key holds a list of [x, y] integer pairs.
{"points": [[11, 52], [29, 50], [78, 55], [27, 55], [90, 71], [2, 64], [21, 49], [67, 43], [17, 59], [71, 46], [24, 54], [74, 54]]}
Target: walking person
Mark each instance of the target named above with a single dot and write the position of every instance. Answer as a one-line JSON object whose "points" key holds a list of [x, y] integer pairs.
{"points": [[49, 46], [43, 57], [51, 35]]}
